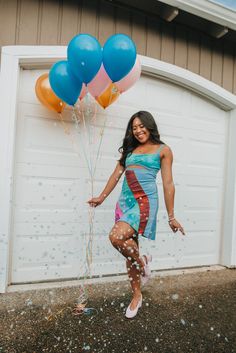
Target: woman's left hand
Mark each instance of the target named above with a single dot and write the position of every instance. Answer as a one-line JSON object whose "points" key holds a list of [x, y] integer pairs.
{"points": [[175, 226]]}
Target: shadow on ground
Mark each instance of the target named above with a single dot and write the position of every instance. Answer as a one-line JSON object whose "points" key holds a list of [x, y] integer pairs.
{"points": [[186, 313]]}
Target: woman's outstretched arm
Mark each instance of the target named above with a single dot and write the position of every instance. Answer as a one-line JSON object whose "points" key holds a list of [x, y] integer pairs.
{"points": [[112, 182], [169, 188]]}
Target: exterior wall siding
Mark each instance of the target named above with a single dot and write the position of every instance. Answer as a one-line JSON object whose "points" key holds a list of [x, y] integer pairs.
{"points": [[48, 22]]}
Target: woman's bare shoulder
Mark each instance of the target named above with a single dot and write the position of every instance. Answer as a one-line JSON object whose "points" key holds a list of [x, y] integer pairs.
{"points": [[166, 151]]}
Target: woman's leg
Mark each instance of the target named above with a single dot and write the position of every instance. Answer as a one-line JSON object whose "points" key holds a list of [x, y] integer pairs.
{"points": [[133, 271], [124, 239]]}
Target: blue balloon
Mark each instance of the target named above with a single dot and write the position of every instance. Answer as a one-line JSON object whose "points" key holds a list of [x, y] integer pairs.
{"points": [[119, 55], [85, 56], [64, 84]]}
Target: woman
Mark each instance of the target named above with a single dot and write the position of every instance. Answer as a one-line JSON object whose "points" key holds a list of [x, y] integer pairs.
{"points": [[143, 155]]}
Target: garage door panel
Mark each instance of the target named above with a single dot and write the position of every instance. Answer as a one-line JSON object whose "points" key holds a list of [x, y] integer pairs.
{"points": [[42, 215], [207, 137], [36, 123], [171, 123], [118, 114], [203, 170], [203, 241], [203, 107], [47, 256], [51, 171], [198, 197], [48, 273], [204, 123], [198, 260], [48, 192], [156, 97], [27, 85], [191, 220], [50, 229], [205, 153], [204, 180], [201, 219]]}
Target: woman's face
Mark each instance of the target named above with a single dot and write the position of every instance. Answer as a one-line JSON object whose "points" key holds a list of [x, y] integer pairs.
{"points": [[140, 132]]}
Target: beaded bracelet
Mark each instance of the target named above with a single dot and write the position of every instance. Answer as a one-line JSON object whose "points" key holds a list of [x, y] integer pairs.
{"points": [[171, 219]]}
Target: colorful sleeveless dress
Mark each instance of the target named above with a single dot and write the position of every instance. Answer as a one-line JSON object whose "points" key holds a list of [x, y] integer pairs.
{"points": [[138, 201]]}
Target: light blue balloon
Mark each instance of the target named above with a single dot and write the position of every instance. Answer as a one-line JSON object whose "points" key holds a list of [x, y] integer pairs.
{"points": [[64, 84], [85, 56], [119, 55]]}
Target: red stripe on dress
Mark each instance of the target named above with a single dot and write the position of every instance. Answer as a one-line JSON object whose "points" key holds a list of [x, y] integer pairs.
{"points": [[143, 202]]}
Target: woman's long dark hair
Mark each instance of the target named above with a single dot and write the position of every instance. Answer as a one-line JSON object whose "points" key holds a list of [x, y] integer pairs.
{"points": [[130, 142]]}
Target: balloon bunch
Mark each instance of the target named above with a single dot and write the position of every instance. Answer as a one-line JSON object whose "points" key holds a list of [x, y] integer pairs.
{"points": [[89, 71], [103, 72]]}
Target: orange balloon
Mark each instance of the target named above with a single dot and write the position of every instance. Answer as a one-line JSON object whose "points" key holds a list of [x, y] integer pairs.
{"points": [[109, 96], [46, 95]]}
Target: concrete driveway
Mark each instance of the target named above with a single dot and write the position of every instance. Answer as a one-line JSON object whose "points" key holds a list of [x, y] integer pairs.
{"points": [[191, 312]]}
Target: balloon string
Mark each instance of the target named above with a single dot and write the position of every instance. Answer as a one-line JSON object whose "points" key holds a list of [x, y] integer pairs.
{"points": [[75, 119], [100, 143], [87, 139], [66, 129], [94, 119], [102, 131], [90, 211], [90, 172], [68, 132], [82, 300]]}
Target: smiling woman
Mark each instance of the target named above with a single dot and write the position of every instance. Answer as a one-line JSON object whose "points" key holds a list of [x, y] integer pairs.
{"points": [[143, 155]]}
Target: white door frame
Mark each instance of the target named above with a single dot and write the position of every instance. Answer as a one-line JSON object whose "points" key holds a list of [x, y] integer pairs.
{"points": [[14, 57]]}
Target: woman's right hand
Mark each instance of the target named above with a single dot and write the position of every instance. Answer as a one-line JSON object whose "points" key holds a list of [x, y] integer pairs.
{"points": [[175, 226], [95, 201]]}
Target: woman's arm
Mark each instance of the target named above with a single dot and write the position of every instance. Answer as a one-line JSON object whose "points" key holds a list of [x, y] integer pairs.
{"points": [[169, 188], [112, 182]]}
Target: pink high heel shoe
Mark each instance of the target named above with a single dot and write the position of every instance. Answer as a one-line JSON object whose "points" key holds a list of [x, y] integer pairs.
{"points": [[132, 313], [144, 278]]}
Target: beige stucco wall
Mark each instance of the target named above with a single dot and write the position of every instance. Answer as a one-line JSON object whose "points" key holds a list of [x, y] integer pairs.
{"points": [[48, 22]]}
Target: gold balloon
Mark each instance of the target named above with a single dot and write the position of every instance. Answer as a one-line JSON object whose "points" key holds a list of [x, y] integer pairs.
{"points": [[109, 96], [46, 95]]}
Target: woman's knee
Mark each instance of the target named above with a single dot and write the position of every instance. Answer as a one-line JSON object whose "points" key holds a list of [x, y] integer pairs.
{"points": [[114, 238]]}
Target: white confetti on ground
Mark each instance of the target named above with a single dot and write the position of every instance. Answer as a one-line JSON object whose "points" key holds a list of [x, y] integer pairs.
{"points": [[86, 348], [175, 296]]}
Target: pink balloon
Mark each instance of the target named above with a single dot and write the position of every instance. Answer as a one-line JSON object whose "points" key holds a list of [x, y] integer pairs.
{"points": [[83, 92], [129, 80], [100, 83]]}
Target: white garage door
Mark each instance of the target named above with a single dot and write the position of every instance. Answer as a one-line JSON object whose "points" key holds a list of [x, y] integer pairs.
{"points": [[50, 221]]}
